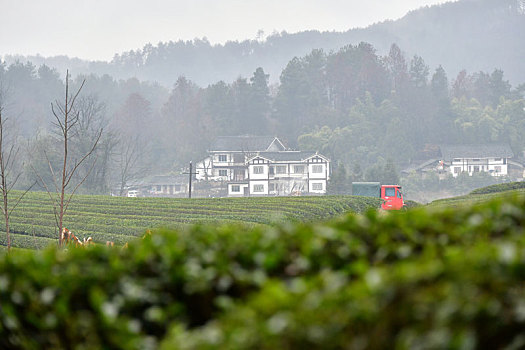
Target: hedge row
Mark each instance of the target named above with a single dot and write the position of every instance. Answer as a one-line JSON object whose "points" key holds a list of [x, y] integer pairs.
{"points": [[500, 188], [427, 278]]}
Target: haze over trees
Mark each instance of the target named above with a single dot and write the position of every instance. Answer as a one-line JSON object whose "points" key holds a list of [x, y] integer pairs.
{"points": [[477, 35], [365, 111]]}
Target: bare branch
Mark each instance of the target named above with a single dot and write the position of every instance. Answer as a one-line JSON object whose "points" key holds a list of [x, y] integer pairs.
{"points": [[75, 167], [13, 183], [78, 92], [77, 186], [52, 171], [58, 120], [55, 211], [10, 154], [22, 196]]}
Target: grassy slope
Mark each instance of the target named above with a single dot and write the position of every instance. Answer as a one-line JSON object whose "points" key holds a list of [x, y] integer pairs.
{"points": [[119, 219], [482, 194]]}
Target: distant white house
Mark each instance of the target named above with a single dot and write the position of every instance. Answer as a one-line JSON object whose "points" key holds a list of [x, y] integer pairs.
{"points": [[475, 158], [263, 166], [159, 186], [493, 159]]}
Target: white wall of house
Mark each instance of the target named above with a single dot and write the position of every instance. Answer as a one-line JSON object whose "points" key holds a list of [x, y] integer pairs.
{"points": [[237, 190], [317, 186], [317, 170], [222, 174], [222, 158], [258, 171], [493, 166], [258, 188]]}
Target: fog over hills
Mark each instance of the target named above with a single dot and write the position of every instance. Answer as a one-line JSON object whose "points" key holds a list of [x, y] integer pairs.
{"points": [[469, 34]]}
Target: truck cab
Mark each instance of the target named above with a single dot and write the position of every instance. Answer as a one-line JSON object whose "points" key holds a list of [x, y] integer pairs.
{"points": [[392, 197]]}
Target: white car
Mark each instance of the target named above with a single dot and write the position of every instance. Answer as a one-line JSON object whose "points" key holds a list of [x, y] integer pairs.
{"points": [[133, 193]]}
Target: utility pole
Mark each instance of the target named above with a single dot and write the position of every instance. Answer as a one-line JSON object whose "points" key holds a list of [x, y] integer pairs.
{"points": [[190, 174]]}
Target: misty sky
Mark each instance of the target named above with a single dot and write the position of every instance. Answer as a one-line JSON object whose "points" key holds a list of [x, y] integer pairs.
{"points": [[97, 29]]}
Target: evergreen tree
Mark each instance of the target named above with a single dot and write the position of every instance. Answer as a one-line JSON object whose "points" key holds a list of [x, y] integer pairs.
{"points": [[259, 103], [498, 87], [419, 72], [390, 175]]}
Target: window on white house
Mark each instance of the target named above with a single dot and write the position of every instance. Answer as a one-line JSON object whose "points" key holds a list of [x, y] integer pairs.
{"points": [[280, 169], [272, 170], [476, 169], [159, 188], [497, 169], [497, 159], [258, 188], [317, 169], [223, 157], [317, 186], [457, 160], [271, 187], [457, 170], [223, 172], [236, 188], [298, 169], [259, 169]]}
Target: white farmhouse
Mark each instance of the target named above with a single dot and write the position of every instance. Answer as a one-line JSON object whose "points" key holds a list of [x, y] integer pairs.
{"points": [[263, 166], [228, 155], [285, 173], [489, 158]]}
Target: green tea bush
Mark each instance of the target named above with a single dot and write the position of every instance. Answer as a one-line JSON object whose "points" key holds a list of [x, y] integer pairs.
{"points": [[447, 278], [500, 188]]}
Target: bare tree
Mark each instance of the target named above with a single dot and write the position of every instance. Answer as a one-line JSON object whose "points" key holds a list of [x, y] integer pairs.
{"points": [[92, 119], [130, 153], [8, 155], [67, 117]]}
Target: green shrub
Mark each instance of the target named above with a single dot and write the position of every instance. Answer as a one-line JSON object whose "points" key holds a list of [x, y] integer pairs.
{"points": [[500, 188], [425, 278]]}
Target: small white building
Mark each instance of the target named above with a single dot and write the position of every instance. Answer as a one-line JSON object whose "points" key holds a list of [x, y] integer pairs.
{"points": [[475, 158], [159, 186]]}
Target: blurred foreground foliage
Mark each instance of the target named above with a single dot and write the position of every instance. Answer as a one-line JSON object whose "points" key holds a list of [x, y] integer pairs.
{"points": [[427, 278]]}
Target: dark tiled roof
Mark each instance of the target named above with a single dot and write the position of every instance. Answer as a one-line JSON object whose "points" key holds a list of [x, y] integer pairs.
{"points": [[420, 166], [244, 143], [287, 156], [166, 179], [449, 152]]}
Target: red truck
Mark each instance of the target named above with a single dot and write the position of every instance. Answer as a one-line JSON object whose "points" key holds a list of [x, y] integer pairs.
{"points": [[391, 194]]}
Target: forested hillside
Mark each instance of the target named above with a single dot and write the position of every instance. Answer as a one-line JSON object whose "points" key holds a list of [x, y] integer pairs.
{"points": [[370, 114], [468, 34]]}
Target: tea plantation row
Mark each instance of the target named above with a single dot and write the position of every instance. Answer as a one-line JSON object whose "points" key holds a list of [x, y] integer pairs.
{"points": [[429, 278], [120, 219], [482, 195]]}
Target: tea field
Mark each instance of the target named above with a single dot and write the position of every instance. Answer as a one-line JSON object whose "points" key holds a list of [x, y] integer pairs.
{"points": [[120, 219], [482, 195]]}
